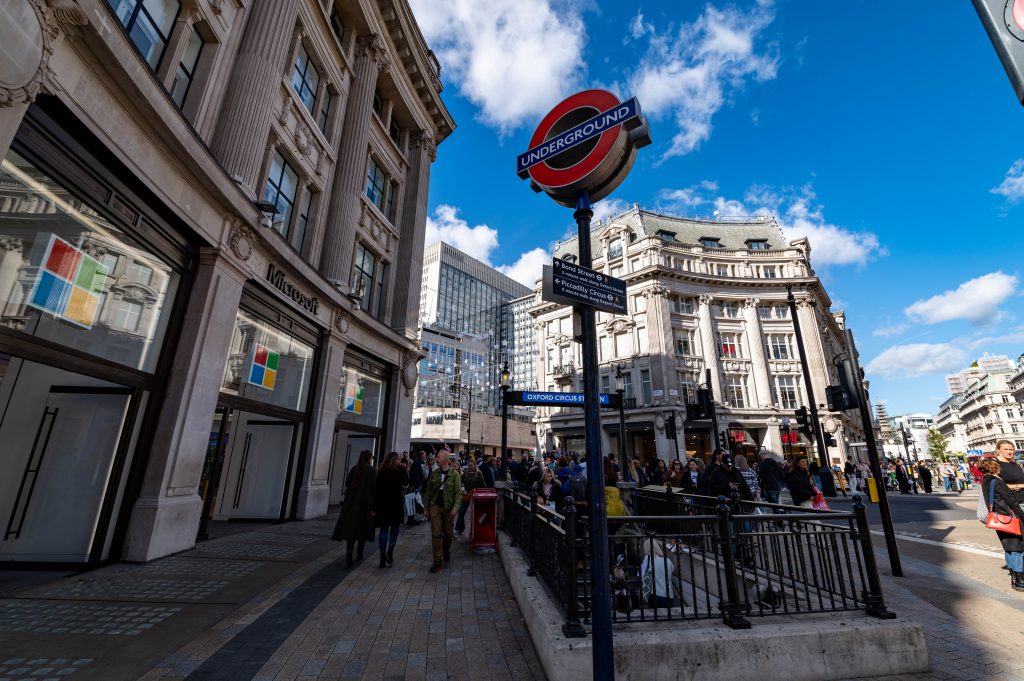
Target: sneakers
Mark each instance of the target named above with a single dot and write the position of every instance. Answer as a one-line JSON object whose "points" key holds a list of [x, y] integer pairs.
{"points": [[436, 567]]}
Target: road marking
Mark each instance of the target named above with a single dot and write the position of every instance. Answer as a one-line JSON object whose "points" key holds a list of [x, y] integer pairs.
{"points": [[946, 545]]}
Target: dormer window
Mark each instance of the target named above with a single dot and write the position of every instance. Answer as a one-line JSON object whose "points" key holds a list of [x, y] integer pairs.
{"points": [[615, 249], [710, 242], [758, 244], [666, 235]]}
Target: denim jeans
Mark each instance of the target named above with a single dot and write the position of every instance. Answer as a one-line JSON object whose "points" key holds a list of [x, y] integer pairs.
{"points": [[460, 522], [772, 497], [1015, 561], [388, 535]]}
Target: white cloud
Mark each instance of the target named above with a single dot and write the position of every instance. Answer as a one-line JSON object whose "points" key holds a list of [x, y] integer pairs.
{"points": [[917, 359], [688, 73], [514, 59], [637, 27], [976, 300], [1012, 186], [891, 330], [606, 209], [447, 226], [527, 269], [798, 215]]}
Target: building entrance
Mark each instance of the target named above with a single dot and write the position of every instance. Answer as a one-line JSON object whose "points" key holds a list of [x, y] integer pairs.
{"points": [[62, 434], [344, 455]]}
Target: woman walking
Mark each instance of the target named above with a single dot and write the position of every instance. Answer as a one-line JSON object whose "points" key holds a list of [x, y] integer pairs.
{"points": [[801, 486], [471, 480], [676, 473], [389, 505], [355, 522], [1005, 502]]}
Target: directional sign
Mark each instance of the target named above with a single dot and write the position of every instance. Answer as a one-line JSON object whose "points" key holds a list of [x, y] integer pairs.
{"points": [[551, 399], [587, 286]]}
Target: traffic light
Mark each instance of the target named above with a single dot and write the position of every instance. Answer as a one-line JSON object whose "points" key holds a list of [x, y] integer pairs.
{"points": [[803, 419], [670, 428], [1004, 23], [830, 441], [847, 396]]}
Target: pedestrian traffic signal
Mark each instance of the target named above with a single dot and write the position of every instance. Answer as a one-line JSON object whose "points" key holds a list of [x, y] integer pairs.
{"points": [[803, 419], [670, 428]]}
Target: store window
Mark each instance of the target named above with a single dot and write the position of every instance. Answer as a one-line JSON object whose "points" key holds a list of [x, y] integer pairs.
{"points": [[148, 23], [361, 399], [186, 71], [58, 259], [267, 365]]}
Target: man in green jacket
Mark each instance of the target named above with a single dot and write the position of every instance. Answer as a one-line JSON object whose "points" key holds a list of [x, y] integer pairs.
{"points": [[444, 492]]}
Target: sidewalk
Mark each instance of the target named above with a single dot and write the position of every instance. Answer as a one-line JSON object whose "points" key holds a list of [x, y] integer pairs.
{"points": [[274, 603]]}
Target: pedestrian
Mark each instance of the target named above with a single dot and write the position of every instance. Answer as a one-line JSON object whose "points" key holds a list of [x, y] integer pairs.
{"points": [[901, 477], [724, 480], [355, 522], [961, 480], [549, 491], [389, 505], [658, 475], [486, 468], [692, 478], [442, 498], [471, 480], [676, 474], [716, 459], [815, 470], [801, 486], [926, 477], [1009, 470], [1002, 500], [749, 476], [414, 494]]}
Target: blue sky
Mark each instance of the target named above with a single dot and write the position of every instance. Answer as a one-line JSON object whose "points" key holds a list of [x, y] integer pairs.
{"points": [[883, 131]]}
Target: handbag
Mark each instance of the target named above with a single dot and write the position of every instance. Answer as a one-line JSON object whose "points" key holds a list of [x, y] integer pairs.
{"points": [[819, 502], [1001, 523]]}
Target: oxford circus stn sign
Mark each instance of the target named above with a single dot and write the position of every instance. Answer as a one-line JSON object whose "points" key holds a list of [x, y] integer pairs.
{"points": [[587, 143]]}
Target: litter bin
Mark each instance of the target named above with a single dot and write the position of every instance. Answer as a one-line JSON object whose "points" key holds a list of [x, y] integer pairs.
{"points": [[872, 490], [483, 512]]}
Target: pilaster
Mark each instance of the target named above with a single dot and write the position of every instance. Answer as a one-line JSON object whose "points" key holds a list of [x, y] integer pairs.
{"points": [[406, 300], [755, 341], [708, 345]]}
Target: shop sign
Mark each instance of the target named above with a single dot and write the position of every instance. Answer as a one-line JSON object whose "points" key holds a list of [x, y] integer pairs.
{"points": [[279, 281], [263, 371], [354, 394], [69, 283]]}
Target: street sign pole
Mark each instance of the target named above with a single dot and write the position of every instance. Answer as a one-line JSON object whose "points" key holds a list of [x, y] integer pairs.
{"points": [[601, 601]]}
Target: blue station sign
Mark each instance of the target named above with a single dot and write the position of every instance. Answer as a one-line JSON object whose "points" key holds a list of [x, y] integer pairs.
{"points": [[606, 120], [530, 398]]}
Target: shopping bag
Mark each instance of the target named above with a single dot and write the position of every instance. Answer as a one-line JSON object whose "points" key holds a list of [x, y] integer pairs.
{"points": [[1001, 523], [819, 502], [982, 511]]}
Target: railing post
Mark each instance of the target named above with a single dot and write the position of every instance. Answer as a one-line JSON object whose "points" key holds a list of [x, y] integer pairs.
{"points": [[572, 627], [732, 613], [529, 546], [873, 598]]}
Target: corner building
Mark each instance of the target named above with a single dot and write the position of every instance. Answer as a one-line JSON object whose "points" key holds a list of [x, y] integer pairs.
{"points": [[702, 295], [212, 216]]}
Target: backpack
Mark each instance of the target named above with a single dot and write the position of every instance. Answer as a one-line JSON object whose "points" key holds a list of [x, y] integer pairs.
{"points": [[577, 487]]}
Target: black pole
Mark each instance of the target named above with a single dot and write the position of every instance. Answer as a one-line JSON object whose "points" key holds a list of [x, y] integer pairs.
{"points": [[601, 601], [503, 472], [622, 426], [711, 408], [828, 483], [469, 426], [876, 469], [676, 431]]}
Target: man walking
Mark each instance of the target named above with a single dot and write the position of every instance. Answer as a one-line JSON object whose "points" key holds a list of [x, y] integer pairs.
{"points": [[444, 492]]}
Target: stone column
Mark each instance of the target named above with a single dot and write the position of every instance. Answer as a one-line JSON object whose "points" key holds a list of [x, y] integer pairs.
{"points": [[708, 345], [399, 418], [165, 518], [12, 257], [251, 97], [773, 439], [177, 41], [350, 171], [805, 307], [314, 491], [755, 341], [405, 305]]}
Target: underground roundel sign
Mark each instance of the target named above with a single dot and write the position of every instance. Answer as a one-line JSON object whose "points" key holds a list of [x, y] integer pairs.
{"points": [[588, 143]]}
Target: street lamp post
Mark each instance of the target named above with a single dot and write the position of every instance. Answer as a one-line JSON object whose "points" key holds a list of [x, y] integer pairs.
{"points": [[506, 383], [620, 388]]}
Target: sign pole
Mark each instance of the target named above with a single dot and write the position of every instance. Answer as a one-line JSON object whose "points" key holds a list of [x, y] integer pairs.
{"points": [[601, 601]]}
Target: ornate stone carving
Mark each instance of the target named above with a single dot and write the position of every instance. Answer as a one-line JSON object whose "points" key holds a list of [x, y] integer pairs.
{"points": [[301, 139], [29, 43], [751, 303], [655, 291], [561, 339], [67, 12], [217, 6], [241, 240], [372, 47], [705, 298], [409, 373], [11, 244], [619, 325], [341, 321], [425, 140], [804, 301]]}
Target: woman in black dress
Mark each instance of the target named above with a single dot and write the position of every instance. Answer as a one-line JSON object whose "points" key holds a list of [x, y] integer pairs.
{"points": [[355, 522], [389, 505]]}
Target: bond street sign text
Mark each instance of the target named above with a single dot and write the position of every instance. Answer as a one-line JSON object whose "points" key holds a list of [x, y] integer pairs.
{"points": [[577, 135], [535, 399], [589, 287]]}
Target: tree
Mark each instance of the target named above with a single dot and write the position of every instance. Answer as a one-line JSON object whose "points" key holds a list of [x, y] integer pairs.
{"points": [[938, 448]]}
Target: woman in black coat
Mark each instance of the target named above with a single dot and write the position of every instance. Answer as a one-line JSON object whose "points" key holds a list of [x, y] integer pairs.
{"points": [[355, 522], [389, 505], [1006, 502], [800, 485], [692, 478]]}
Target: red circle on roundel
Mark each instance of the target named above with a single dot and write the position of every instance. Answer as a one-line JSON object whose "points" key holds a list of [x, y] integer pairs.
{"points": [[545, 175], [1018, 13]]}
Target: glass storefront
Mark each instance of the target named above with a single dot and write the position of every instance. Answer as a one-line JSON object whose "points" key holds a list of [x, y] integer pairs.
{"points": [[362, 403], [75, 287]]}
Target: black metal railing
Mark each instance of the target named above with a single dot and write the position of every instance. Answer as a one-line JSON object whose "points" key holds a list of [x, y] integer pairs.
{"points": [[687, 557]]}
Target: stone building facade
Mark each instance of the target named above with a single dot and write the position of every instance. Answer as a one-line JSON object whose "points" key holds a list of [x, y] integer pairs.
{"points": [[212, 215], [702, 295]]}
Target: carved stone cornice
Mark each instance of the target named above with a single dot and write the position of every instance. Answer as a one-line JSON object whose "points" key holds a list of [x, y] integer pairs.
{"points": [[342, 320], [424, 140], [751, 302], [32, 36], [561, 340], [655, 291], [705, 298], [371, 46], [804, 301], [619, 325], [12, 245]]}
